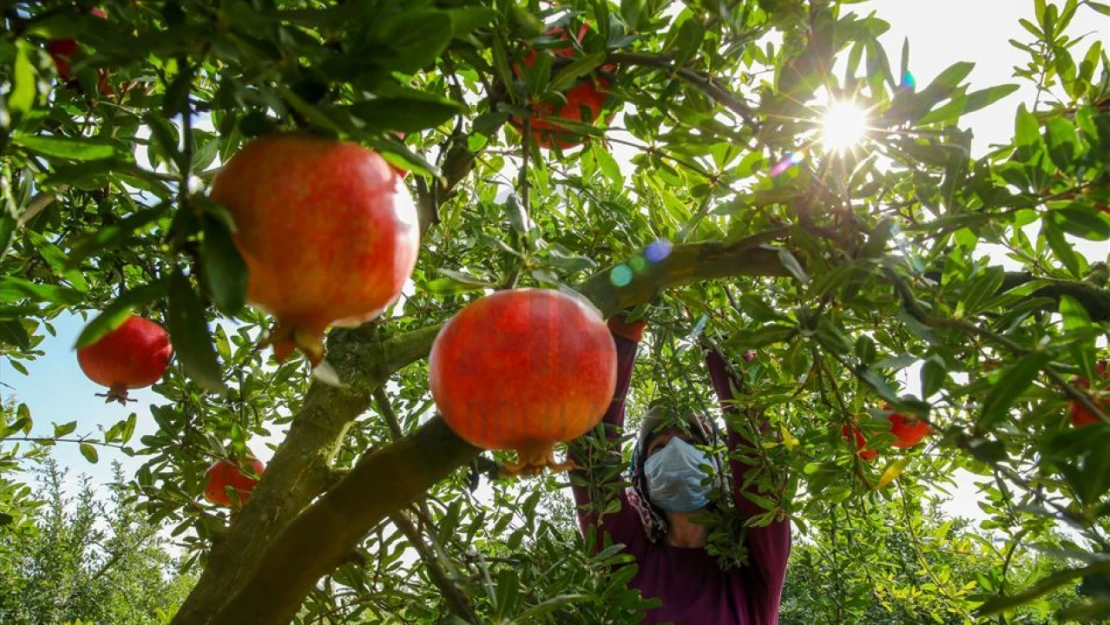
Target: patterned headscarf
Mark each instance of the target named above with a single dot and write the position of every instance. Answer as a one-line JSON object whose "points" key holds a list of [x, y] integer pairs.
{"points": [[651, 516]]}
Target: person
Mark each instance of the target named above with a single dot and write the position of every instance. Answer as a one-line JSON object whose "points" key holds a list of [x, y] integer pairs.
{"points": [[656, 519]]}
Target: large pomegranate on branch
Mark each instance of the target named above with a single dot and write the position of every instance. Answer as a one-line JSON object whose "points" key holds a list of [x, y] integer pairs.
{"points": [[134, 355], [523, 370], [583, 102], [328, 231]]}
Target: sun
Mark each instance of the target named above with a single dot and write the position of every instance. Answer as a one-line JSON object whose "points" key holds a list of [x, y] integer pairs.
{"points": [[845, 124]]}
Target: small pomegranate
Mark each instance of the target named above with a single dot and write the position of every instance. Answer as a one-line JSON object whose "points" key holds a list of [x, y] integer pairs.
{"points": [[62, 50], [861, 443], [1080, 416], [907, 430], [523, 370], [229, 484], [328, 231], [584, 101], [134, 355]]}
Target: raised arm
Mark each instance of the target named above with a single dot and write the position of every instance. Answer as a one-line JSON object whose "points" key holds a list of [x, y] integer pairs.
{"points": [[768, 547], [626, 336]]}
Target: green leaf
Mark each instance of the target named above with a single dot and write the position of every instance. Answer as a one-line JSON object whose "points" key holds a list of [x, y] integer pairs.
{"points": [[970, 103], [22, 97], [1062, 141], [532, 614], [64, 429], [1026, 134], [456, 281], [119, 310], [416, 38], [190, 336], [1063, 250], [686, 43], [792, 265], [1082, 223], [14, 289], [893, 471], [12, 332], [1100, 7], [106, 237], [580, 67], [933, 376], [405, 114], [225, 273], [83, 149], [1010, 386], [607, 163], [501, 62], [89, 452], [1041, 588]]}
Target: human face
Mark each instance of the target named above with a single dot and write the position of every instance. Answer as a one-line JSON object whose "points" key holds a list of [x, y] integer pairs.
{"points": [[663, 437]]}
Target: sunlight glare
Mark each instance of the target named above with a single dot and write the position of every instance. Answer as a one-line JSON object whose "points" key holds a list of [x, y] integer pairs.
{"points": [[845, 124]]}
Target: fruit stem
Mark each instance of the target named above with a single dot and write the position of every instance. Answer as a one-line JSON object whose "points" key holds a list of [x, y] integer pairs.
{"points": [[116, 393], [533, 460]]}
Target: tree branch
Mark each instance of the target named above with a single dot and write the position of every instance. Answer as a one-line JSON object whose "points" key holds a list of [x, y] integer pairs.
{"points": [[316, 541]]}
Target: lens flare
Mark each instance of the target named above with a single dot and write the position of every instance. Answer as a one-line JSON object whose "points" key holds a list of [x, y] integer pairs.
{"points": [[845, 125], [621, 275], [792, 159], [657, 251]]}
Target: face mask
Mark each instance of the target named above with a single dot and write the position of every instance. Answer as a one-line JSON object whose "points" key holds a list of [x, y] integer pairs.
{"points": [[675, 478]]}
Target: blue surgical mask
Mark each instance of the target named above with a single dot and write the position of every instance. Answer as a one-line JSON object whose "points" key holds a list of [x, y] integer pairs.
{"points": [[676, 481]]}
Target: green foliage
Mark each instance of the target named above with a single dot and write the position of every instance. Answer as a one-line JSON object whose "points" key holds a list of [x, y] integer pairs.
{"points": [[78, 558], [874, 276]]}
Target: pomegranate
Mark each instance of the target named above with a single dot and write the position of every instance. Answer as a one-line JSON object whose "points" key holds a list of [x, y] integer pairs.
{"points": [[523, 370], [229, 484], [328, 231], [134, 355], [861, 443], [62, 50], [588, 96], [1080, 416], [907, 430]]}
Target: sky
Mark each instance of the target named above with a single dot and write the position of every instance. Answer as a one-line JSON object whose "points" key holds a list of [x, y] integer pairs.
{"points": [[941, 32]]}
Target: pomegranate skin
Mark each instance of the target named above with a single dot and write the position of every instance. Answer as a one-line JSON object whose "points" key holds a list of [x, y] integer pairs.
{"points": [[861, 442], [328, 232], [523, 370], [62, 50], [907, 430], [1080, 416], [589, 94], [134, 355], [224, 474]]}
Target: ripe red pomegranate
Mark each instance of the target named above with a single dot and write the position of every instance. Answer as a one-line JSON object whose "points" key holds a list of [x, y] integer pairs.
{"points": [[907, 430], [523, 370], [328, 231], [62, 50], [229, 484], [861, 443], [1080, 416], [587, 96], [134, 355]]}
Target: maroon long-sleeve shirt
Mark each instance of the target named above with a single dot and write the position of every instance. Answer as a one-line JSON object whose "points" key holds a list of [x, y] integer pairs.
{"points": [[693, 588]]}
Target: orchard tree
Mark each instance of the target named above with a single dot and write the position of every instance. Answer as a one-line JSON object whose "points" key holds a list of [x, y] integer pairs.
{"points": [[660, 158]]}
